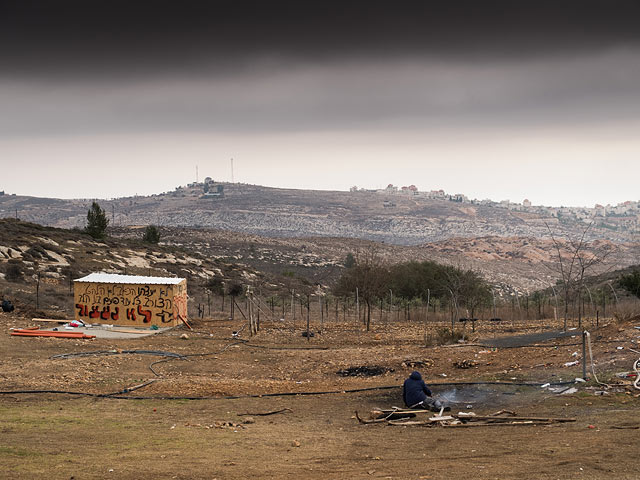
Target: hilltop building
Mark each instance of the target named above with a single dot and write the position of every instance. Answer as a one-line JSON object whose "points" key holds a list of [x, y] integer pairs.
{"points": [[211, 189]]}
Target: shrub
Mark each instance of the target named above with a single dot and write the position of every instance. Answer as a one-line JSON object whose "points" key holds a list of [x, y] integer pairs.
{"points": [[14, 271], [631, 283], [444, 336], [216, 285]]}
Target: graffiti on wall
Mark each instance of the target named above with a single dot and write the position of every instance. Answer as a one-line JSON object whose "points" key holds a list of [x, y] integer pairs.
{"points": [[180, 301], [130, 304]]}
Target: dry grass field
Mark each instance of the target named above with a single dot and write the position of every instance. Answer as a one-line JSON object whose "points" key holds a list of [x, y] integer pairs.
{"points": [[160, 433]]}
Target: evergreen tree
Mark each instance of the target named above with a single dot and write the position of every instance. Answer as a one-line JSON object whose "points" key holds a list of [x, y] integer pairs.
{"points": [[631, 282], [151, 234], [97, 221], [350, 260]]}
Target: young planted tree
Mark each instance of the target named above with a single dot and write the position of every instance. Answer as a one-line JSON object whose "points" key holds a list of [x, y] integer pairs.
{"points": [[575, 257], [475, 293], [97, 222], [234, 290], [369, 276]]}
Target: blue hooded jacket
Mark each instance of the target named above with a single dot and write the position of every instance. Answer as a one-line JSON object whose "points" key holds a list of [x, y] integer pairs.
{"points": [[414, 390]]}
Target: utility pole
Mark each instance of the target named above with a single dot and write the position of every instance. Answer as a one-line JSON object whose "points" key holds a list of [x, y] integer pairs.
{"points": [[196, 173]]}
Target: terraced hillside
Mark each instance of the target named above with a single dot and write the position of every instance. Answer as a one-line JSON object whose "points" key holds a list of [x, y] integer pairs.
{"points": [[398, 219]]}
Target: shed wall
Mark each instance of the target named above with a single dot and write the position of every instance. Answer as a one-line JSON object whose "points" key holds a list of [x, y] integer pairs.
{"points": [[130, 304]]}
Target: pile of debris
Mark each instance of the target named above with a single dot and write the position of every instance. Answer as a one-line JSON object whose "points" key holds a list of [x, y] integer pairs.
{"points": [[464, 364], [36, 332], [426, 363], [364, 371], [407, 417]]}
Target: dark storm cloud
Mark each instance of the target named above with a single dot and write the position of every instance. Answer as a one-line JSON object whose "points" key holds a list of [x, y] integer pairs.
{"points": [[363, 95], [131, 38], [233, 66]]}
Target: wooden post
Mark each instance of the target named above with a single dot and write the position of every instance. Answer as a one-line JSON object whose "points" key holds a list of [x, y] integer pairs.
{"points": [[308, 315], [584, 355], [426, 316], [250, 313], [495, 314], [357, 307], [38, 292]]}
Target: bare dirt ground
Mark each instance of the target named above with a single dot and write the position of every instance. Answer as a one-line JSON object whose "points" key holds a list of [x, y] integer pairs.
{"points": [[75, 436]]}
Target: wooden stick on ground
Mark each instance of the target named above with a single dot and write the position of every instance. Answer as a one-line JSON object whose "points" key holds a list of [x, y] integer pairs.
{"points": [[492, 424], [265, 413], [130, 330], [378, 420], [518, 419], [185, 322]]}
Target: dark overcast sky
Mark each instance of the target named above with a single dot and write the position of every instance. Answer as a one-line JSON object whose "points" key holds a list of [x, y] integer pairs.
{"points": [[275, 84], [134, 37]]}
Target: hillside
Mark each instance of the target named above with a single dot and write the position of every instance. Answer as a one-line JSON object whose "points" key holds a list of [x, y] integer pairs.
{"points": [[398, 219], [522, 264]]}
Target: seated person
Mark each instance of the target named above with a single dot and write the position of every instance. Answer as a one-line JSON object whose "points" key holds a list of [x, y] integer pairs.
{"points": [[417, 395]]}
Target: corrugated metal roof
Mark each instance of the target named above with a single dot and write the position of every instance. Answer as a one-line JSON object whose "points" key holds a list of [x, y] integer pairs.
{"points": [[134, 279]]}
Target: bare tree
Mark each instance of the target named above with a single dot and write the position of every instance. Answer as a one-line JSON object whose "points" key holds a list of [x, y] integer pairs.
{"points": [[467, 289], [368, 275], [575, 257]]}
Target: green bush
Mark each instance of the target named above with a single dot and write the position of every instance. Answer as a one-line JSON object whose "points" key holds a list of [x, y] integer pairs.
{"points": [[631, 283]]}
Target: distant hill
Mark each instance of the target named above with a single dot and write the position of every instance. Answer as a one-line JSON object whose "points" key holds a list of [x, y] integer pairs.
{"points": [[401, 219]]}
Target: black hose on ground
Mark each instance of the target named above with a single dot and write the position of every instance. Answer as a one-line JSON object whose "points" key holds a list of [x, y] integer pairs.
{"points": [[118, 395], [158, 353], [85, 394]]}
